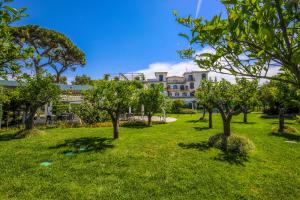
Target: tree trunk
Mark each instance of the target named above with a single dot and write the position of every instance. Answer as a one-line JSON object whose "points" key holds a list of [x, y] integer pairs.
{"points": [[281, 121], [245, 117], [226, 129], [29, 121], [203, 115], [149, 120], [116, 128], [210, 112]]}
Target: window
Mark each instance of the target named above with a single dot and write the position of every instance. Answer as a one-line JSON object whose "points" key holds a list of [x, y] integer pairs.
{"points": [[184, 94], [190, 78], [203, 76], [176, 94], [186, 87], [192, 94], [161, 78], [168, 87], [181, 87], [175, 87], [192, 85]]}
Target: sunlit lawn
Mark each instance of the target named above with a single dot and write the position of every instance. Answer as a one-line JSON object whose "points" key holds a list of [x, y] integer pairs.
{"points": [[162, 162]]}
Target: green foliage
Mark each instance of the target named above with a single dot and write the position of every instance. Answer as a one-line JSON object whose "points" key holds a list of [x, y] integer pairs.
{"points": [[152, 98], [48, 48], [235, 144], [9, 52], [185, 111], [89, 115], [276, 95], [176, 105], [113, 97], [253, 37], [205, 94], [37, 91], [82, 80]]}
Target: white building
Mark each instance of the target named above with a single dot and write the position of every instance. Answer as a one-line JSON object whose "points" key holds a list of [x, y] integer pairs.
{"points": [[180, 87]]}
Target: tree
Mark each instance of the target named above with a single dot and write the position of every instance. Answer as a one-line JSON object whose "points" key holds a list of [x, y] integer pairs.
{"points": [[153, 99], [35, 92], [226, 100], [113, 97], [250, 40], [206, 98], [82, 80], [177, 104], [9, 52], [48, 48], [62, 79], [281, 96], [106, 76], [247, 95]]}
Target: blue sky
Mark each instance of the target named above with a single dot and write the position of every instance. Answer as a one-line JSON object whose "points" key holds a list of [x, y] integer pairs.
{"points": [[120, 35]]}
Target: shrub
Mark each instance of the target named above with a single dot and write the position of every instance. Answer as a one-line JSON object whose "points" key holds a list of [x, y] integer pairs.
{"points": [[236, 144], [186, 111], [287, 130]]}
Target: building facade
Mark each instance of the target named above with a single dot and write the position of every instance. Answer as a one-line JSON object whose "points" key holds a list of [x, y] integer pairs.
{"points": [[180, 87]]}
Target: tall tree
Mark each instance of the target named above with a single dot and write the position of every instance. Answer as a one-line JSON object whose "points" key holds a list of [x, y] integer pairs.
{"points": [[82, 80], [206, 97], [113, 97], [9, 52], [153, 99], [35, 92], [247, 95], [250, 40], [48, 49]]}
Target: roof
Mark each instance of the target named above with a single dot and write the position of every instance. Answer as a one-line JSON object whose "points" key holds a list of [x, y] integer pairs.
{"points": [[7, 83], [195, 72]]}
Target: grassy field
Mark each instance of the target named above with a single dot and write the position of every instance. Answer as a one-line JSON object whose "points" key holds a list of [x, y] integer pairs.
{"points": [[168, 161]]}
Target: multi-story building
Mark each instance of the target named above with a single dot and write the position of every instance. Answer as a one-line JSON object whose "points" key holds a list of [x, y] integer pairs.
{"points": [[183, 87]]}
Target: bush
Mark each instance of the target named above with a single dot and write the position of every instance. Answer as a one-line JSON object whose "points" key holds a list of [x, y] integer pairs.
{"points": [[89, 115], [186, 111], [235, 144], [287, 130]]}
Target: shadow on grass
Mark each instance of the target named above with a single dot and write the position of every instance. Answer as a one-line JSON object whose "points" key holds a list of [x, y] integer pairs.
{"points": [[88, 144], [244, 122], [202, 146], [7, 137], [202, 128], [232, 158], [288, 136]]}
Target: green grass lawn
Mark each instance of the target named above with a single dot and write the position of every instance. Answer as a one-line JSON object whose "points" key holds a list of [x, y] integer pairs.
{"points": [[168, 161]]}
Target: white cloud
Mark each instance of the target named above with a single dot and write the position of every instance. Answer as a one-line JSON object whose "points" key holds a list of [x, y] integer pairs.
{"points": [[198, 8], [177, 69]]}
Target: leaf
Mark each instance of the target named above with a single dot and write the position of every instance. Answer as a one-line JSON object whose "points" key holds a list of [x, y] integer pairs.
{"points": [[205, 55], [13, 10], [296, 56], [185, 36], [260, 53]]}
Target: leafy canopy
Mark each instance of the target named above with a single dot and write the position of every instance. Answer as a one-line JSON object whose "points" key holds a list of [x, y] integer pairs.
{"points": [[9, 52], [48, 48], [250, 40]]}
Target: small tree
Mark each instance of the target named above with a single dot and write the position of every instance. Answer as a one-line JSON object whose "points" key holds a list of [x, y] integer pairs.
{"points": [[177, 104], [280, 96], [34, 93], [152, 98], [206, 98], [114, 97], [82, 80], [247, 94], [226, 100]]}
